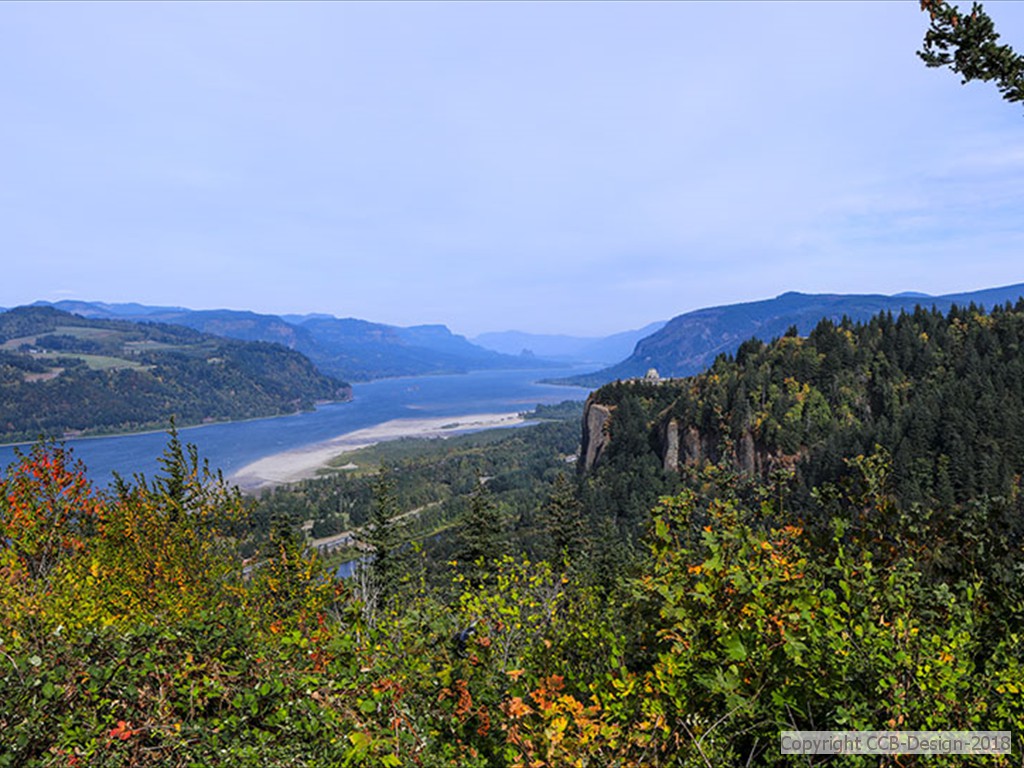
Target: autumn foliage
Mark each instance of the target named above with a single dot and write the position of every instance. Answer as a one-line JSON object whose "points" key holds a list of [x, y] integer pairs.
{"points": [[132, 635]]}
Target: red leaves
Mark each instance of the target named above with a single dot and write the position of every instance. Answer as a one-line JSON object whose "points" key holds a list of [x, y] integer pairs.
{"points": [[46, 503], [122, 731], [464, 704]]}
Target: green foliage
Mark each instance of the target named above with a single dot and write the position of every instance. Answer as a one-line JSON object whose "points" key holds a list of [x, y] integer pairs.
{"points": [[388, 561], [564, 519], [966, 43], [480, 536], [761, 629]]}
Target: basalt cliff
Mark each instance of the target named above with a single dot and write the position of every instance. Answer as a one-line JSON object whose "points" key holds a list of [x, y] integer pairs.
{"points": [[679, 443]]}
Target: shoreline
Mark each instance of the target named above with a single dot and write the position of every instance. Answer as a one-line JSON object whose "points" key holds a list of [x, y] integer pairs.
{"points": [[303, 463], [166, 430]]}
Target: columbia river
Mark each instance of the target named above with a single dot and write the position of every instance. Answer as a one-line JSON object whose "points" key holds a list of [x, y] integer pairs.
{"points": [[233, 445]]}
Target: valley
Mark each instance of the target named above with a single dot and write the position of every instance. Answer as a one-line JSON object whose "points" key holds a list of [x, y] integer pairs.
{"points": [[681, 544]]}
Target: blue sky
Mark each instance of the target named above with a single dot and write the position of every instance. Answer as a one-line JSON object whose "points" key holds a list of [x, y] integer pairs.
{"points": [[566, 167]]}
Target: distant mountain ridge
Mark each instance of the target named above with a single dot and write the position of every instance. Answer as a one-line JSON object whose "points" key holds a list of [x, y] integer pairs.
{"points": [[565, 348], [352, 349], [690, 342]]}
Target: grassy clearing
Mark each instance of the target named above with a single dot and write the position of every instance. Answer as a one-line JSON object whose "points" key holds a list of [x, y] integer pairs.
{"points": [[96, 362], [159, 346], [93, 334], [105, 363], [14, 344], [51, 374]]}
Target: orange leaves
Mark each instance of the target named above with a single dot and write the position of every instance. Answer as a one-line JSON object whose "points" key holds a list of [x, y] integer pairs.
{"points": [[46, 505], [516, 708], [464, 700], [562, 730], [546, 691], [457, 690], [123, 731]]}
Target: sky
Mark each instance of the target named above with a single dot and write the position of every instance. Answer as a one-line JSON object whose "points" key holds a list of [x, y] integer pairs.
{"points": [[580, 168]]}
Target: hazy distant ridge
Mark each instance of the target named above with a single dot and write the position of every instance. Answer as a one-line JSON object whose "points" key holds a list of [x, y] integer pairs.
{"points": [[583, 349], [689, 343], [352, 349]]}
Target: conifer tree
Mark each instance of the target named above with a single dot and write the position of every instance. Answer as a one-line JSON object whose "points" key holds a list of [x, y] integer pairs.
{"points": [[384, 536], [967, 44], [564, 518], [481, 534]]}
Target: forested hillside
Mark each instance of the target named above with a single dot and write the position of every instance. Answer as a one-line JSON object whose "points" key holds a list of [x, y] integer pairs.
{"points": [[61, 374], [943, 394], [690, 342], [835, 543]]}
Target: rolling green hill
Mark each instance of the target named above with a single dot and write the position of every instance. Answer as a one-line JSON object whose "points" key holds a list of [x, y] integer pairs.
{"points": [[64, 375]]}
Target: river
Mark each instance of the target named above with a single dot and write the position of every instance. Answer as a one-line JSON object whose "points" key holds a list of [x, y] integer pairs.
{"points": [[233, 445]]}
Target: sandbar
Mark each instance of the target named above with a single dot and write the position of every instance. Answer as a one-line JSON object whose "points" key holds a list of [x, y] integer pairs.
{"points": [[302, 463]]}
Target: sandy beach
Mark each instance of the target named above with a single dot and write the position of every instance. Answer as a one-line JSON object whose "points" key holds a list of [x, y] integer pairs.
{"points": [[302, 463]]}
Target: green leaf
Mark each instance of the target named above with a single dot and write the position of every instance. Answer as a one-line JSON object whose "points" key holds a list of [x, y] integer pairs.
{"points": [[661, 529], [734, 648], [361, 741]]}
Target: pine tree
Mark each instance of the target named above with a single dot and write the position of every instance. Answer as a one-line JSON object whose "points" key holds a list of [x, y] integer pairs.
{"points": [[384, 536], [966, 43], [563, 514], [481, 535]]}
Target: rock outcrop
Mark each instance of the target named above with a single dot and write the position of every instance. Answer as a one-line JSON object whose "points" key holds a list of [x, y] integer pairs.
{"points": [[595, 432], [670, 445], [683, 446]]}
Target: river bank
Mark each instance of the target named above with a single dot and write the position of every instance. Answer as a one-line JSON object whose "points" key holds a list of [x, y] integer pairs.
{"points": [[232, 446], [302, 463]]}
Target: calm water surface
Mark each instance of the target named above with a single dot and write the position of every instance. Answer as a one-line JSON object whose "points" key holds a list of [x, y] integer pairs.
{"points": [[231, 446]]}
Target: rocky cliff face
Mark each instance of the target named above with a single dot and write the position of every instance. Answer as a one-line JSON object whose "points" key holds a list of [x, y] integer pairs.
{"points": [[685, 445], [682, 445], [595, 432]]}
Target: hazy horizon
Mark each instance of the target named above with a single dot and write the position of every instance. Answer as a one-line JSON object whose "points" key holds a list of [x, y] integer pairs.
{"points": [[579, 168], [500, 331]]}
